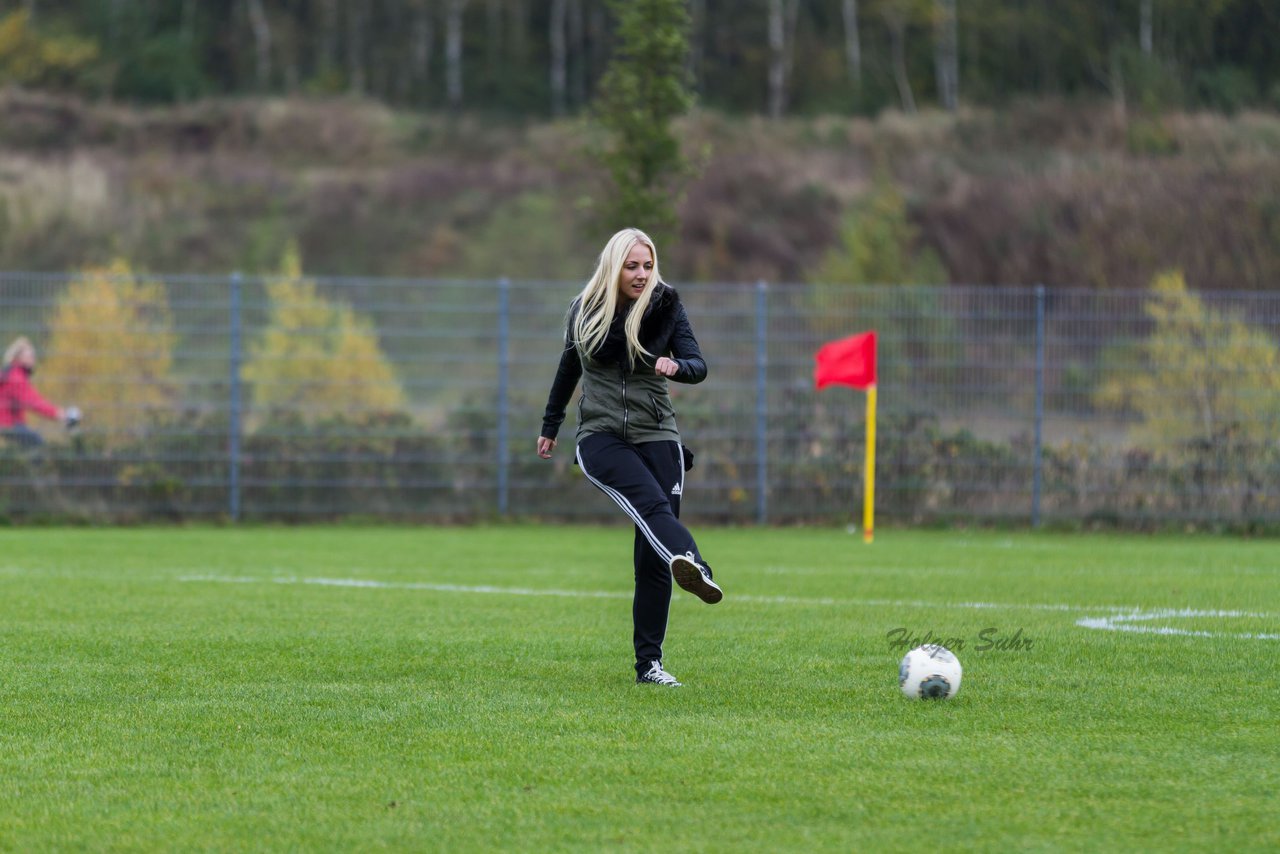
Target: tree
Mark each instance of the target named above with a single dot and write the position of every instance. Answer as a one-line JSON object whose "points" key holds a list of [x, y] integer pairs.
{"points": [[1144, 27], [782, 39], [537, 55], [327, 23], [559, 61], [111, 351], [356, 15], [896, 14], [453, 51], [421, 35], [30, 58], [577, 47], [852, 41], [946, 54], [261, 29], [1205, 376], [643, 89], [316, 357]]}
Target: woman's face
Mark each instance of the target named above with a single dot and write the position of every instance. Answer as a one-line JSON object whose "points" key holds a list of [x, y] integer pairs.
{"points": [[635, 271]]}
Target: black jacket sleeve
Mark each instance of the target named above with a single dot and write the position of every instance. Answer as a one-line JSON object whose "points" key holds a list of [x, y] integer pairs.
{"points": [[567, 376], [685, 351]]}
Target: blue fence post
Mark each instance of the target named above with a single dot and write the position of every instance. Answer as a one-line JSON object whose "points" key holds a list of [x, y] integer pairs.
{"points": [[1037, 462], [233, 413], [762, 404], [504, 334]]}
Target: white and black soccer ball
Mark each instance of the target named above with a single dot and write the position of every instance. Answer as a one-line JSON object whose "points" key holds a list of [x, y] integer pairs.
{"points": [[929, 672]]}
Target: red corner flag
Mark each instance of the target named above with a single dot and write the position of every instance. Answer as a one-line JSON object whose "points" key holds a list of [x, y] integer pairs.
{"points": [[849, 361]]}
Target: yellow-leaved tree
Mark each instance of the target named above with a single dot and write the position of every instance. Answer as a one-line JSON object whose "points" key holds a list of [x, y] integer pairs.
{"points": [[110, 352], [316, 357], [30, 58], [1209, 376]]}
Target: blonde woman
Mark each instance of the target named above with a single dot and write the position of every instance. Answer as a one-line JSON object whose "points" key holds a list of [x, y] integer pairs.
{"points": [[18, 395], [626, 336]]}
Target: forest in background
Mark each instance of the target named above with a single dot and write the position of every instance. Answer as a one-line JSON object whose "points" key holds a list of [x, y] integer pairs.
{"points": [[1107, 146], [544, 58], [1079, 143]]}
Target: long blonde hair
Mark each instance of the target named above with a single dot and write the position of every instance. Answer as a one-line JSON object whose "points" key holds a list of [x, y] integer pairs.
{"points": [[17, 347], [598, 301]]}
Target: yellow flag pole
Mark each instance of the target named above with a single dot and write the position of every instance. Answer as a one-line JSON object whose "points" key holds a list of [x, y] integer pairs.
{"points": [[869, 473]]}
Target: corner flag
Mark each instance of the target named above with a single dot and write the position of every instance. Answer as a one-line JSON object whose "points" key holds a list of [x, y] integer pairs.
{"points": [[852, 361], [849, 361]]}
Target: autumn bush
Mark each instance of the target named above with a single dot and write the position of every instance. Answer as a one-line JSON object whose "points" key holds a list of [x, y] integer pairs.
{"points": [[316, 357], [110, 351]]}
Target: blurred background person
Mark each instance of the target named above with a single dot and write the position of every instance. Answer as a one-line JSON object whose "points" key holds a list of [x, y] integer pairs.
{"points": [[18, 395]]}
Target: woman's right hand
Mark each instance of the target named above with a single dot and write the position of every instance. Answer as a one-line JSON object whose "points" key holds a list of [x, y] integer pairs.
{"points": [[545, 447]]}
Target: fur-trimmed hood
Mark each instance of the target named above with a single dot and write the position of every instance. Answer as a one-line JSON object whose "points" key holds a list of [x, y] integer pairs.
{"points": [[656, 326]]}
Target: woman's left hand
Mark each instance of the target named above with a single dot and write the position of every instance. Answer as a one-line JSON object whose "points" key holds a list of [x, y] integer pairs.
{"points": [[665, 367]]}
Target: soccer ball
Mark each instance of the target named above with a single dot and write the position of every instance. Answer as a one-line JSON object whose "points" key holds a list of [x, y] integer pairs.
{"points": [[929, 672]]}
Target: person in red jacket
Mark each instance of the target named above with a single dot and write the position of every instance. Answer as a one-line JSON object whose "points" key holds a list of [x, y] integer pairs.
{"points": [[18, 395]]}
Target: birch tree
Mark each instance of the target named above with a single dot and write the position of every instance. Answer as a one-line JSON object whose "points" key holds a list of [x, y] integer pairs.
{"points": [[261, 29], [782, 33], [852, 41], [355, 47], [328, 26], [453, 51], [577, 52], [559, 61], [1144, 26], [894, 13], [422, 35], [946, 54], [494, 42]]}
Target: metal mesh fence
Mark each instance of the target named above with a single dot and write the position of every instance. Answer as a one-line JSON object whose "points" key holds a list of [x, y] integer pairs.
{"points": [[246, 398]]}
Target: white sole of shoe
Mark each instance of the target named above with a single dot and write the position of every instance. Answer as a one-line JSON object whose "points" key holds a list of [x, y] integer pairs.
{"points": [[690, 577]]}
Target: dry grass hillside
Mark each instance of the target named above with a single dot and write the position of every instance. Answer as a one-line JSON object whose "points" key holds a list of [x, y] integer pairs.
{"points": [[1053, 193]]}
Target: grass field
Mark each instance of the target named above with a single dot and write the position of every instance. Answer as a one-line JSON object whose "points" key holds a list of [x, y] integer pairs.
{"points": [[471, 689]]}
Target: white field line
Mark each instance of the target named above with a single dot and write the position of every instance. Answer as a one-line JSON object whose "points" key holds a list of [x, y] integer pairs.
{"points": [[1122, 617], [411, 585], [606, 594], [1125, 623]]}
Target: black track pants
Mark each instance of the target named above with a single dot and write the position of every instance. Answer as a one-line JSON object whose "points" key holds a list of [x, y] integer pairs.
{"points": [[646, 481]]}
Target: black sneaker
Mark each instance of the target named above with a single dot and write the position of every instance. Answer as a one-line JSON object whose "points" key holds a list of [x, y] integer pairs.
{"points": [[695, 578], [655, 675]]}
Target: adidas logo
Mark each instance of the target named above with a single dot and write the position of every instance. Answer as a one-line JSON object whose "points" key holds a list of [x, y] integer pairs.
{"points": [[675, 490]]}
